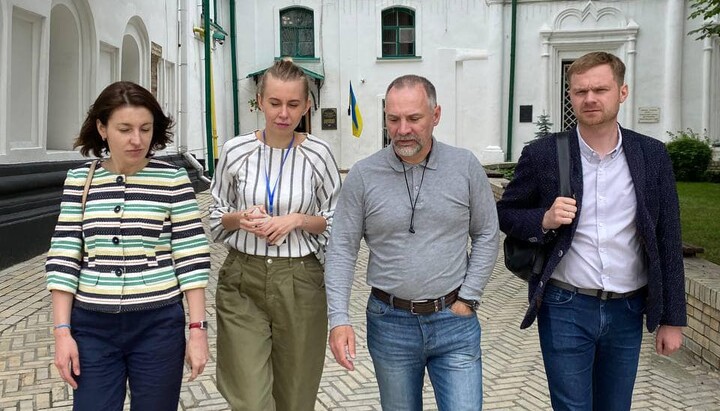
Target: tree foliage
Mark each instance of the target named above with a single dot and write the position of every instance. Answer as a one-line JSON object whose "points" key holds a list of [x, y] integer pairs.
{"points": [[707, 10]]}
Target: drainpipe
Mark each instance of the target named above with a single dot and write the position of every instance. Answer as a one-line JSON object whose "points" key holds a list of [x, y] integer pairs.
{"points": [[511, 87], [208, 88], [197, 166], [233, 62]]}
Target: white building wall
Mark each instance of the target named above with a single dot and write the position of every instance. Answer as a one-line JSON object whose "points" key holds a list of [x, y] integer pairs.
{"points": [[464, 48], [106, 22]]}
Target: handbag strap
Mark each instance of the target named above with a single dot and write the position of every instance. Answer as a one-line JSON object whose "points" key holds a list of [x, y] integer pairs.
{"points": [[563, 152], [88, 182]]}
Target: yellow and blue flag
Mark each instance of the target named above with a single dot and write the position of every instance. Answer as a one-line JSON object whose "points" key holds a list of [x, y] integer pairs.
{"points": [[354, 111]]}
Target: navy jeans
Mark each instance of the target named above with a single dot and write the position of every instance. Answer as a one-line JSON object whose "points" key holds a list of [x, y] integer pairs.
{"points": [[142, 349], [590, 349], [402, 344]]}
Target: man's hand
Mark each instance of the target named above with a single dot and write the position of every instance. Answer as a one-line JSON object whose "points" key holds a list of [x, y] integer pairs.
{"points": [[561, 212], [342, 345], [461, 309], [668, 339]]}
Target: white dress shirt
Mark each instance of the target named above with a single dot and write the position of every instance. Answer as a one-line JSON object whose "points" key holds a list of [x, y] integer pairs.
{"points": [[606, 252]]}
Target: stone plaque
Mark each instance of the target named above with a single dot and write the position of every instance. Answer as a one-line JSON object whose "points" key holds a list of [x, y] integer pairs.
{"points": [[648, 114], [329, 118]]}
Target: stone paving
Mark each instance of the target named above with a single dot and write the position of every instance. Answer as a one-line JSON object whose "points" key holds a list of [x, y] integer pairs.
{"points": [[513, 370]]}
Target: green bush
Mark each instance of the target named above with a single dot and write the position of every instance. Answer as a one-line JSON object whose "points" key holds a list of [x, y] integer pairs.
{"points": [[690, 154]]}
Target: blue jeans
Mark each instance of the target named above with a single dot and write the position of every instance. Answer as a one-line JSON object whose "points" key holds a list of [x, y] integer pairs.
{"points": [[144, 349], [590, 349], [402, 344]]}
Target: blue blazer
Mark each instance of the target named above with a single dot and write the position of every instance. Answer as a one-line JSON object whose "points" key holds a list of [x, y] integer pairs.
{"points": [[535, 187]]}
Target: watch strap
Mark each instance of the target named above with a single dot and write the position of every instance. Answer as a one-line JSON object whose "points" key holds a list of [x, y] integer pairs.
{"points": [[203, 325]]}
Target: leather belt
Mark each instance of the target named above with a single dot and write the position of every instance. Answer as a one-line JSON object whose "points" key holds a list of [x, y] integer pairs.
{"points": [[418, 307], [601, 294]]}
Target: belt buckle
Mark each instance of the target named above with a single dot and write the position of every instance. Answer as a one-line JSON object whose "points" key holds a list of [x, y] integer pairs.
{"points": [[412, 305], [604, 295]]}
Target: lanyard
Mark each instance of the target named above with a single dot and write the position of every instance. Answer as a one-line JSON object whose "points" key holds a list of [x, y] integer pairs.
{"points": [[271, 192]]}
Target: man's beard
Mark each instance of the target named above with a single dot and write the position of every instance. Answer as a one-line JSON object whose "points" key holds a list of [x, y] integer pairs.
{"points": [[408, 151]]}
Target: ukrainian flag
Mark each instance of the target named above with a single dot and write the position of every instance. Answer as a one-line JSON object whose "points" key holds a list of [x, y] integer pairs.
{"points": [[354, 111]]}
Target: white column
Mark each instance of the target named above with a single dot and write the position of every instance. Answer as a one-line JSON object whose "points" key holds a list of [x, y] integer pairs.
{"points": [[706, 82], [675, 20], [494, 153], [630, 79]]}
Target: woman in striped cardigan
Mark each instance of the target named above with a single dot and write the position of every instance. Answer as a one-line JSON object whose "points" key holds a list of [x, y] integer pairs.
{"points": [[120, 262], [275, 192]]}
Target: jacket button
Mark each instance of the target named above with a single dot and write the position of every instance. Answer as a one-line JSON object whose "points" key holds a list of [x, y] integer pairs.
{"points": [[533, 239], [117, 208], [119, 180], [118, 272], [116, 240]]}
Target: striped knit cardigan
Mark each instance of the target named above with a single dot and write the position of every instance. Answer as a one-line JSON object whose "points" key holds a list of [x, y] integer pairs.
{"points": [[144, 242]]}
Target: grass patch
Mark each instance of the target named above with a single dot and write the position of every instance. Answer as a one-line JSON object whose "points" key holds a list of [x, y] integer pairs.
{"points": [[700, 217]]}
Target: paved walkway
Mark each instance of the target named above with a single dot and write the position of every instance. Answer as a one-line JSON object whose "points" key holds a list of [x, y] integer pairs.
{"points": [[513, 370]]}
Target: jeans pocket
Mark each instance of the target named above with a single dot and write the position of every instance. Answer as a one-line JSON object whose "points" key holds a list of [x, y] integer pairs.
{"points": [[635, 304], [454, 314], [557, 296], [376, 307]]}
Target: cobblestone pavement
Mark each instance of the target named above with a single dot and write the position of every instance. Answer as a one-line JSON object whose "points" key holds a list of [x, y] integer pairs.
{"points": [[513, 370]]}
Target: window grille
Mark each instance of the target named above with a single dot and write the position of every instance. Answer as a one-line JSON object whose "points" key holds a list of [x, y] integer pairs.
{"points": [[297, 33], [398, 32], [568, 120]]}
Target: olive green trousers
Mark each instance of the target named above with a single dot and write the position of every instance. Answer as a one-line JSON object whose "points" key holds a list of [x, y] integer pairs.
{"points": [[272, 330]]}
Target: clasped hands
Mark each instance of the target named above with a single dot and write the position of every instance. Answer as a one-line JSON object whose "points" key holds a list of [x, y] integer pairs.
{"points": [[274, 229]]}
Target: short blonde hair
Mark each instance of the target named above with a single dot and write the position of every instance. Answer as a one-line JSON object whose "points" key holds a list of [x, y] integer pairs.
{"points": [[598, 58]]}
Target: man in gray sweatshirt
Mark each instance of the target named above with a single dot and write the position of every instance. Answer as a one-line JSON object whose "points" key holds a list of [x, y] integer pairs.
{"points": [[416, 203]]}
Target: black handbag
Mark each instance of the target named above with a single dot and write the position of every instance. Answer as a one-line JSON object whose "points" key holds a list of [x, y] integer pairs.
{"points": [[526, 259]]}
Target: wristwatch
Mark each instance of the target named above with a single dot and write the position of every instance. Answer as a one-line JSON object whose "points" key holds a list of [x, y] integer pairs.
{"points": [[203, 325], [473, 304]]}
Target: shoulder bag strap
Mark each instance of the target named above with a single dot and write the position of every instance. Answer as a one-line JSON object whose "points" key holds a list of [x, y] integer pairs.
{"points": [[563, 151], [88, 181]]}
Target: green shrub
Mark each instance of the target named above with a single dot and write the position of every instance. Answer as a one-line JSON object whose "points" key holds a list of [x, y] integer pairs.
{"points": [[690, 154]]}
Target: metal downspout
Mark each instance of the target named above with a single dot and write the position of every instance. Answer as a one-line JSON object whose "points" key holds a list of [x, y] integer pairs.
{"points": [[208, 88], [233, 62], [511, 85]]}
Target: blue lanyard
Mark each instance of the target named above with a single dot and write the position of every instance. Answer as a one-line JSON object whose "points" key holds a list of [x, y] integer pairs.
{"points": [[271, 193]]}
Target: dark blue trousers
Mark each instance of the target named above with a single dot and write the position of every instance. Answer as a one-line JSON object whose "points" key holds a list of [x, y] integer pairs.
{"points": [[142, 349]]}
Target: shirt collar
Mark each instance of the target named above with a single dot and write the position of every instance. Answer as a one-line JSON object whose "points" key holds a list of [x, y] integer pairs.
{"points": [[592, 155]]}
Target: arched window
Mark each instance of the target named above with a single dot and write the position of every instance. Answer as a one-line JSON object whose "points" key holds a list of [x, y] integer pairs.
{"points": [[297, 32], [64, 114], [398, 32]]}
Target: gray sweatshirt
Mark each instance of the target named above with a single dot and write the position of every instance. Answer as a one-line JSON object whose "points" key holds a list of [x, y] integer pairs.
{"points": [[454, 202]]}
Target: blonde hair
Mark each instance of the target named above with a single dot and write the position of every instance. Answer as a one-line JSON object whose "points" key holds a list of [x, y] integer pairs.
{"points": [[285, 70], [598, 58]]}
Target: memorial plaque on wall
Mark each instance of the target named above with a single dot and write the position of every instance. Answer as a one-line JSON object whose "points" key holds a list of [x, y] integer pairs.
{"points": [[648, 114], [329, 118]]}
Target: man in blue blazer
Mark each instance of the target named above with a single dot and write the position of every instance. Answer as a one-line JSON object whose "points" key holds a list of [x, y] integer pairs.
{"points": [[614, 249]]}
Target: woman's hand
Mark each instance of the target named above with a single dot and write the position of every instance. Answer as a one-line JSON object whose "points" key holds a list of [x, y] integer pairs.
{"points": [[277, 228], [67, 359], [197, 352], [252, 219]]}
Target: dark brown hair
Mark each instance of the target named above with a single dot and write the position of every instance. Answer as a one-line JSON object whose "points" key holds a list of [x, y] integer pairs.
{"points": [[598, 58], [285, 70], [411, 80], [117, 95]]}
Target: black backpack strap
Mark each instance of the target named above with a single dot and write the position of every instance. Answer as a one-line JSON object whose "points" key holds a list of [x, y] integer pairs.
{"points": [[563, 152]]}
